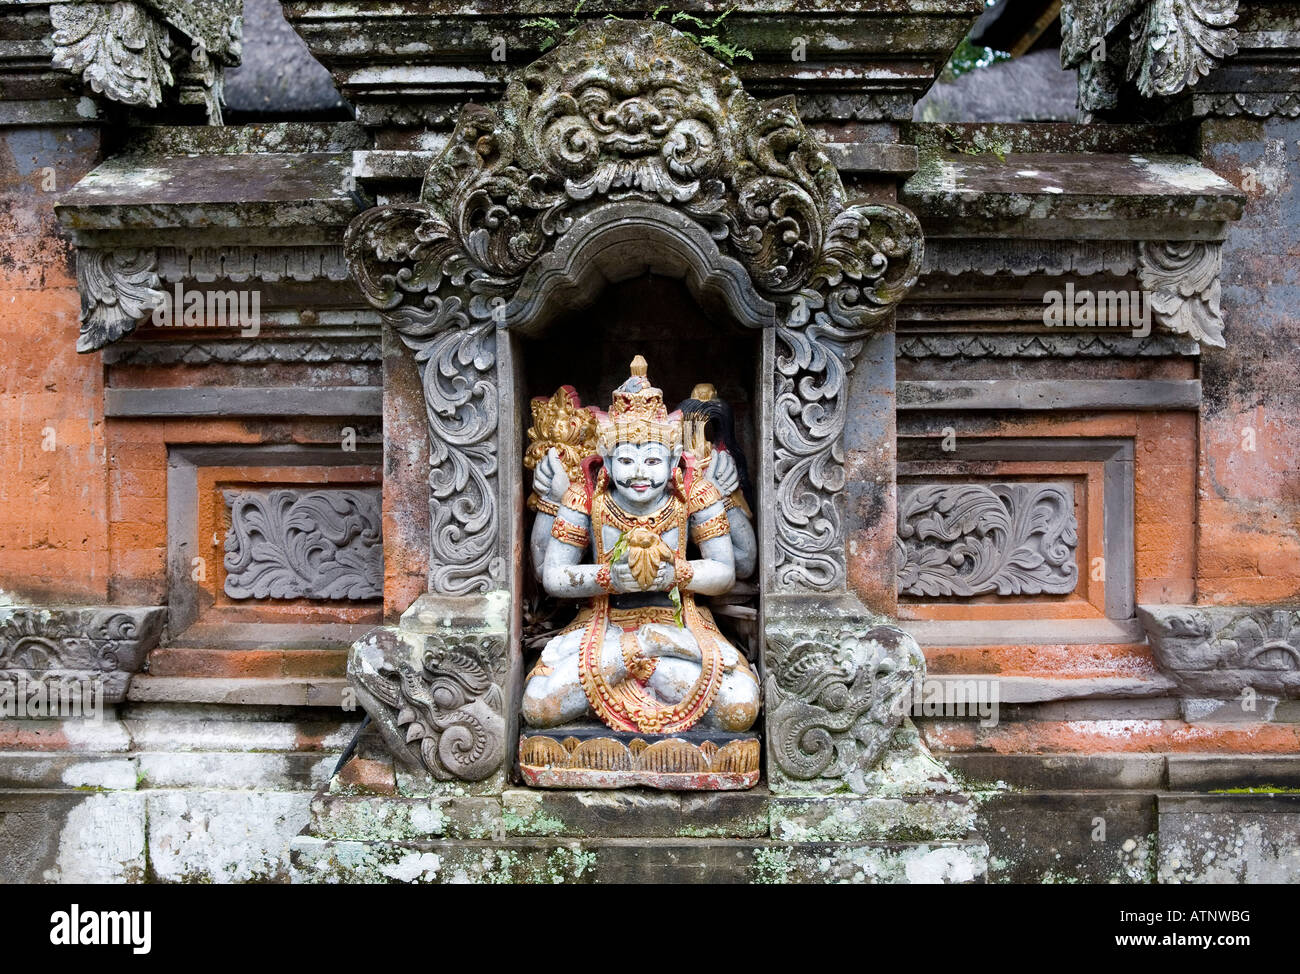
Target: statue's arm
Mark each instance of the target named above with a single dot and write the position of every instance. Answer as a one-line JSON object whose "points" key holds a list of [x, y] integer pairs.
{"points": [[715, 572], [563, 573], [744, 543], [549, 484]]}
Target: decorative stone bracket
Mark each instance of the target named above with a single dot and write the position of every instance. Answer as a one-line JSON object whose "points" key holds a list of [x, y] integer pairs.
{"points": [[1161, 46], [437, 686], [1221, 652], [123, 48], [1182, 277], [838, 685], [91, 644], [118, 289]]}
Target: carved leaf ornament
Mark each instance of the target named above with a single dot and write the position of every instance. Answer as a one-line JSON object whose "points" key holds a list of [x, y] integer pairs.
{"points": [[633, 111], [117, 48], [976, 539], [1169, 45], [289, 544]]}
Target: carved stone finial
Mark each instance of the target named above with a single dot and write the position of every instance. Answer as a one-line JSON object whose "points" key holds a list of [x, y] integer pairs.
{"points": [[639, 367], [1161, 46]]}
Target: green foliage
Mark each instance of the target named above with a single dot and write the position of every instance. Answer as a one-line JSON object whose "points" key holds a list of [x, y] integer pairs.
{"points": [[968, 57], [956, 141], [619, 549], [706, 34]]}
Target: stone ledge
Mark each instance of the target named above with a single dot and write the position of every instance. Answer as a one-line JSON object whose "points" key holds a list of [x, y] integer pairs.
{"points": [[1061, 394], [315, 860], [323, 692], [222, 401], [1034, 689], [1093, 195], [307, 190]]}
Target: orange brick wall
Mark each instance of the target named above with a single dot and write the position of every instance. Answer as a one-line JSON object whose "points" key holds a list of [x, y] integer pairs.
{"points": [[54, 536]]}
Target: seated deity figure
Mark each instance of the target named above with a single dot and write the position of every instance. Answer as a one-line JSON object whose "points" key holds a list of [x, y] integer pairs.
{"points": [[643, 656]]}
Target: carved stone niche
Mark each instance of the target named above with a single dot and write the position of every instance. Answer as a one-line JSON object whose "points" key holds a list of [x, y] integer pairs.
{"points": [[627, 151]]}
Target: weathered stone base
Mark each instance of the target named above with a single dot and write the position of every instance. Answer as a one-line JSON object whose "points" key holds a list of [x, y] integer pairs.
{"points": [[920, 831], [636, 861], [634, 836]]}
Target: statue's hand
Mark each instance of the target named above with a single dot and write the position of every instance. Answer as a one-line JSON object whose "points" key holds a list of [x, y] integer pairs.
{"points": [[622, 579], [665, 578], [723, 473], [550, 481]]}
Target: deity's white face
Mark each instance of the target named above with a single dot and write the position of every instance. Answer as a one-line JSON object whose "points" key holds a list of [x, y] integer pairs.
{"points": [[640, 473]]}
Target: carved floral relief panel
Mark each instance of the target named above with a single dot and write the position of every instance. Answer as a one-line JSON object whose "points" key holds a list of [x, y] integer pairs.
{"points": [[969, 539], [314, 544]]}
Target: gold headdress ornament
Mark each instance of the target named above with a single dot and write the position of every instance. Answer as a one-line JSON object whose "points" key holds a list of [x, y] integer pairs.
{"points": [[638, 414]]}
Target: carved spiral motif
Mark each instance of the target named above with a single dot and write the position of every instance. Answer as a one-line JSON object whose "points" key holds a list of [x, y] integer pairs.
{"points": [[447, 711], [836, 697]]}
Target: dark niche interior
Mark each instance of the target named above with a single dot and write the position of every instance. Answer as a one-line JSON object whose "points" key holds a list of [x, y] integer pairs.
{"points": [[591, 349]]}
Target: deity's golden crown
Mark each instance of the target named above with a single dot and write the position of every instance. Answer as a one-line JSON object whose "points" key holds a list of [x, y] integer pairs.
{"points": [[638, 414]]}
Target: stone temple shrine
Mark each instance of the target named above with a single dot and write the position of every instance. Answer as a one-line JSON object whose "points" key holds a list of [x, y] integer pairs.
{"points": [[725, 442]]}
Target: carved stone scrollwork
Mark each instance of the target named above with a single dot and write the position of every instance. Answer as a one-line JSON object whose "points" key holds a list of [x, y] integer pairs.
{"points": [[106, 644], [1182, 277], [836, 692], [1169, 45], [436, 698], [979, 539], [1221, 651], [124, 49], [118, 288], [634, 113], [291, 544], [119, 49]]}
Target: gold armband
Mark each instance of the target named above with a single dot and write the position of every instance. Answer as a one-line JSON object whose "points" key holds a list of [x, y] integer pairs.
{"points": [[703, 494], [714, 527], [543, 506], [570, 534], [683, 572]]}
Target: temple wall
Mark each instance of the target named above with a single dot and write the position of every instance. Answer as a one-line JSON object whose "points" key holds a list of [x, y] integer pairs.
{"points": [[1248, 486], [54, 537], [206, 769]]}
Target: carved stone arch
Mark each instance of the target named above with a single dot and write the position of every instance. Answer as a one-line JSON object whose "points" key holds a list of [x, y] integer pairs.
{"points": [[625, 239], [632, 120]]}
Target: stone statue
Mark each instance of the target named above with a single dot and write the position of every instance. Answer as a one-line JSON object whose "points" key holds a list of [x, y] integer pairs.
{"points": [[618, 529]]}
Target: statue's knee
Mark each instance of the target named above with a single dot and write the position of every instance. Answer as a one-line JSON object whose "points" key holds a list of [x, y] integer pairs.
{"points": [[737, 704], [540, 708]]}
